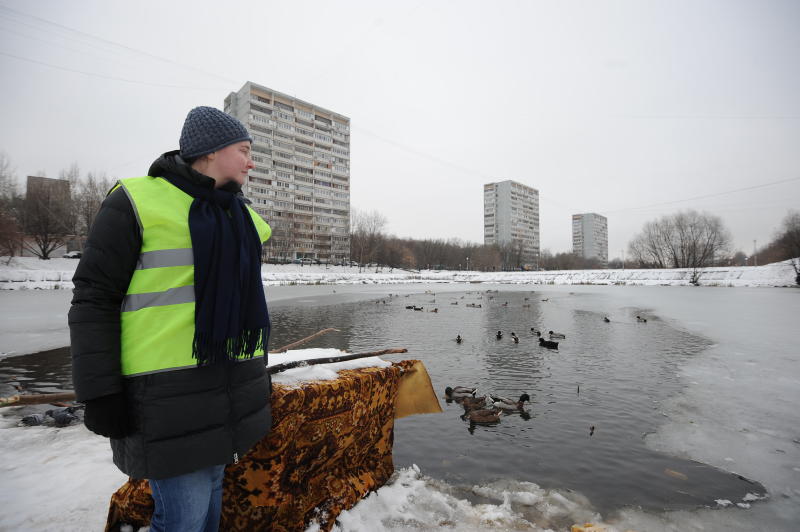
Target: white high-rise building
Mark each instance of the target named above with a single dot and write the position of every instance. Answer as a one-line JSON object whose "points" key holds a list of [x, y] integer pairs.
{"points": [[590, 236], [301, 182], [511, 217]]}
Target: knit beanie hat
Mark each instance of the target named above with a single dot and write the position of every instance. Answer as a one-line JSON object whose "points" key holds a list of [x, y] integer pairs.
{"points": [[207, 130]]}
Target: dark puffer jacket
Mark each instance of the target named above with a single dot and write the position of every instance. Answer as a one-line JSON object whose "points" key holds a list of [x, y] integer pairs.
{"points": [[182, 420]]}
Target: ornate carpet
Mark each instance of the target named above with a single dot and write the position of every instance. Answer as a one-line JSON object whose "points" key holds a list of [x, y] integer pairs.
{"points": [[330, 445]]}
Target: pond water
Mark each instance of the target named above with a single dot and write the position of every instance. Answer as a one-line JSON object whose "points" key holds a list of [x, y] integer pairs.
{"points": [[611, 376]]}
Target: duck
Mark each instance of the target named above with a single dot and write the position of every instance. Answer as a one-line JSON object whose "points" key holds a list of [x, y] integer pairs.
{"points": [[536, 331], [510, 404], [62, 417], [32, 420], [499, 335], [557, 335], [605, 319], [459, 339], [641, 319], [547, 299], [485, 415], [459, 392], [515, 338], [548, 344], [418, 308], [473, 403], [409, 307]]}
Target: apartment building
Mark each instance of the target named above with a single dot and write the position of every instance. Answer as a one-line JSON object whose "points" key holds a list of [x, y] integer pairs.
{"points": [[301, 181], [511, 217], [590, 236]]}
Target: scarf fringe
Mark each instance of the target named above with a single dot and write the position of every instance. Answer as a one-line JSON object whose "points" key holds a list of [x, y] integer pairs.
{"points": [[242, 347]]}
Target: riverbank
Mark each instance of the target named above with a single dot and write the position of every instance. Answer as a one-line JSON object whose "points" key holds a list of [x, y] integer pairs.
{"points": [[29, 273]]}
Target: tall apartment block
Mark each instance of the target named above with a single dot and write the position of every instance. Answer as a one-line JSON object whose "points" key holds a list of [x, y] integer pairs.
{"points": [[511, 216], [301, 180], [590, 236]]}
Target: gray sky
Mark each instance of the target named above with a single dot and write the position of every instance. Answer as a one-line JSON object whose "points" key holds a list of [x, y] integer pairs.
{"points": [[633, 109]]}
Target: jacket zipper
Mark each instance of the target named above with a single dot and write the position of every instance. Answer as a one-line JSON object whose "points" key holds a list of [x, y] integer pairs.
{"points": [[230, 404]]}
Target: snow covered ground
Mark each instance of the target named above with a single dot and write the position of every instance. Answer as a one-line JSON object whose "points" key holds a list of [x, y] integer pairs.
{"points": [[738, 412], [32, 273]]}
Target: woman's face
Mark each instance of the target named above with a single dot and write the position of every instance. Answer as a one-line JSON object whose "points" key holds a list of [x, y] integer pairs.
{"points": [[231, 163]]}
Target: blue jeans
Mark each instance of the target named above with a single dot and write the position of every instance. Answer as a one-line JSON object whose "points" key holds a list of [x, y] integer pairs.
{"points": [[188, 503]]}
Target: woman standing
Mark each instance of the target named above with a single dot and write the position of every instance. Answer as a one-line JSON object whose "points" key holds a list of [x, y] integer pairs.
{"points": [[169, 323]]}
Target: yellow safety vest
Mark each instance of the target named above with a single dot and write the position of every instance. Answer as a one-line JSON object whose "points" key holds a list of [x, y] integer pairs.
{"points": [[158, 309]]}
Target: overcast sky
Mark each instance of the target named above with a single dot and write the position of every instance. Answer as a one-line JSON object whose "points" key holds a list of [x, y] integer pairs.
{"points": [[632, 109]]}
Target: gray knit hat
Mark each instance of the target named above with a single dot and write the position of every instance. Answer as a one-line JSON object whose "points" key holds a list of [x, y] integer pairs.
{"points": [[207, 130]]}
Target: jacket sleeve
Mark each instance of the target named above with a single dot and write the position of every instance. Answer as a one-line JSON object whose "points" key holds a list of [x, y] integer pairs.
{"points": [[101, 281]]}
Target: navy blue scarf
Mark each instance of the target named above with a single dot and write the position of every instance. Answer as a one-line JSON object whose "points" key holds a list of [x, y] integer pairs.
{"points": [[230, 318]]}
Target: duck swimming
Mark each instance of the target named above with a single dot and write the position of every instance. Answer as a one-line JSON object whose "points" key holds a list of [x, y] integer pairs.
{"points": [[641, 319], [487, 415], [557, 335], [459, 392], [548, 344], [515, 338], [473, 403], [605, 319], [499, 335], [458, 339], [509, 404]]}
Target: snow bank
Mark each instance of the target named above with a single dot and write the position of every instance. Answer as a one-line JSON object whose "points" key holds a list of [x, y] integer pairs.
{"points": [[32, 273]]}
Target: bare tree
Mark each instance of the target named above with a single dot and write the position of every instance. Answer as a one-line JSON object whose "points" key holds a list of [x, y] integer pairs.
{"points": [[790, 240], [48, 215], [88, 196], [366, 234], [10, 234], [684, 240]]}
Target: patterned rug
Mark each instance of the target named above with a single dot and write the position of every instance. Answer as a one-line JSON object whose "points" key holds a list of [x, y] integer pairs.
{"points": [[330, 445]]}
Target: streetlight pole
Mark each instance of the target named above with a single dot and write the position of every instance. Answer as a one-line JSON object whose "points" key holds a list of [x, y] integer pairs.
{"points": [[467, 263]]}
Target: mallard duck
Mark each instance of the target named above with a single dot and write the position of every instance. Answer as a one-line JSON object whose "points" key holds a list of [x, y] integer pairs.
{"points": [[605, 319], [515, 338], [536, 331], [548, 344], [460, 391], [641, 319], [509, 404], [557, 335], [473, 403], [486, 415], [459, 339], [499, 335]]}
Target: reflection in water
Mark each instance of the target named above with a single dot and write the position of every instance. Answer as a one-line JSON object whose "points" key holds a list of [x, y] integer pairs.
{"points": [[592, 401]]}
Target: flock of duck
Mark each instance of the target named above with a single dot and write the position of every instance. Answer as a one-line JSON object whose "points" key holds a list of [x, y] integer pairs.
{"points": [[60, 417], [485, 409], [550, 344]]}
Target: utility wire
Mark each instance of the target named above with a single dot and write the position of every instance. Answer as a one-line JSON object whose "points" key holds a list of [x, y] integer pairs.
{"points": [[116, 44], [712, 195], [103, 76]]}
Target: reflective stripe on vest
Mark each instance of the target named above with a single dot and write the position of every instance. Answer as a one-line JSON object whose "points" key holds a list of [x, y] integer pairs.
{"points": [[157, 314]]}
